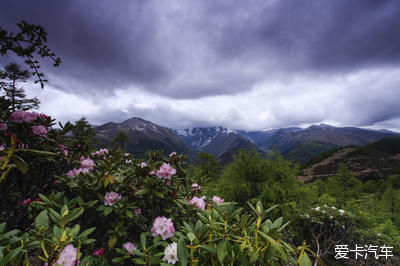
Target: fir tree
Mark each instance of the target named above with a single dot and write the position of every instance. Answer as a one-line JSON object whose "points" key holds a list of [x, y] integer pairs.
{"points": [[16, 97]]}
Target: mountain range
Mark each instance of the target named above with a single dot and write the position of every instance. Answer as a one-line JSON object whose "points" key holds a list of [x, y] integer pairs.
{"points": [[294, 143]]}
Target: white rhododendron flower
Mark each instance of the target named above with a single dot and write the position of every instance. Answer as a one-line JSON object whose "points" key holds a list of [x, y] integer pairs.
{"points": [[171, 253]]}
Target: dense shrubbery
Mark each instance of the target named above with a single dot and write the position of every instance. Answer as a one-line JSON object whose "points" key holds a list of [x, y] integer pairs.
{"points": [[108, 207]]}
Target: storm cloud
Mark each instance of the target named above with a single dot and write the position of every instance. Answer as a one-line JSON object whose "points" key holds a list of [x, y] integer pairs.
{"points": [[241, 64]]}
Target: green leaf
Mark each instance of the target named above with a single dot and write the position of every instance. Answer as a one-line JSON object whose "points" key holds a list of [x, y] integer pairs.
{"points": [[112, 241], [87, 232], [57, 232], [37, 152], [139, 253], [22, 166], [141, 192], [191, 236], [44, 199], [42, 220], [88, 241], [11, 255], [118, 260], [139, 261], [305, 260], [277, 222], [254, 257], [143, 239], [187, 227], [183, 253], [64, 211], [129, 214], [2, 227], [54, 216], [107, 210], [209, 249], [75, 230], [75, 214], [221, 251], [159, 194]]}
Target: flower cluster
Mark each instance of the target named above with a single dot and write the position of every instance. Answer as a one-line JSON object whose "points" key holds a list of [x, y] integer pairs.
{"points": [[163, 227], [129, 247], [111, 197], [77, 171], [326, 214], [199, 202], [39, 130], [171, 253], [26, 201], [64, 149], [101, 152], [196, 187], [68, 256], [87, 163], [218, 200], [166, 172], [21, 116], [98, 252]]}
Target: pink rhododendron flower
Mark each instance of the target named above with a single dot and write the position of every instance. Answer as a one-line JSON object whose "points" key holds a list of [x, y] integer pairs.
{"points": [[39, 130], [168, 183], [218, 200], [143, 165], [101, 152], [68, 256], [199, 202], [64, 149], [151, 173], [2, 147], [171, 253], [163, 227], [138, 211], [77, 171], [195, 187], [87, 163], [17, 116], [43, 116], [172, 154], [99, 252], [3, 127], [130, 247], [166, 171], [22, 116], [111, 197]]}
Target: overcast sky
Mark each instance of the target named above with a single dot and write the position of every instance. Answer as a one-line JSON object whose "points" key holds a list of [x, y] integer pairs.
{"points": [[248, 65]]}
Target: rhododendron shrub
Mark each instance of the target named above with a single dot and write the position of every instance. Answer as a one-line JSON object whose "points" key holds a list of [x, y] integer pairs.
{"points": [[323, 226], [104, 206], [30, 159]]}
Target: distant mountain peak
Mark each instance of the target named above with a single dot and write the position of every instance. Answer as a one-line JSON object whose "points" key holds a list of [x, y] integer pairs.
{"points": [[322, 125]]}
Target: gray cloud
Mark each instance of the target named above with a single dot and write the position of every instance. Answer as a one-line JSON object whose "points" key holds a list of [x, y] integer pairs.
{"points": [[181, 50]]}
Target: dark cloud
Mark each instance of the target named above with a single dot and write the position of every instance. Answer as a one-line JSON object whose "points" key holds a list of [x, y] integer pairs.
{"points": [[198, 49]]}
